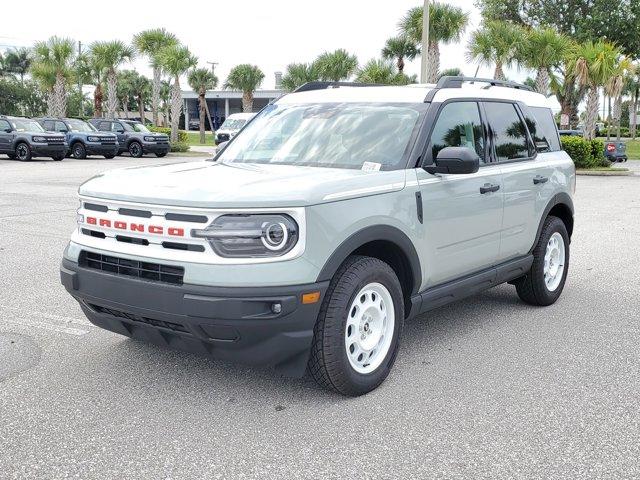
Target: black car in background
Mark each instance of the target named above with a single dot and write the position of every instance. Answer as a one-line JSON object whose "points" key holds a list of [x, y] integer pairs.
{"points": [[133, 137], [23, 139], [82, 137]]}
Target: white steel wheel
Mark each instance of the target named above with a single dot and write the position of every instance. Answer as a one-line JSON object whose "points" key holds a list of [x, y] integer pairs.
{"points": [[554, 261], [369, 328]]}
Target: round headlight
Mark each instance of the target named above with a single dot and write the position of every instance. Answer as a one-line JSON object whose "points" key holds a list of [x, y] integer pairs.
{"points": [[39, 139], [275, 236]]}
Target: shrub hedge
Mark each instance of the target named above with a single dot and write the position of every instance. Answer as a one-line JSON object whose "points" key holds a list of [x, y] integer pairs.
{"points": [[182, 135], [585, 153]]}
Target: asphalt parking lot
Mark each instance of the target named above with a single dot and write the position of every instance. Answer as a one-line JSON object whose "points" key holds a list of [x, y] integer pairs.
{"points": [[485, 388]]}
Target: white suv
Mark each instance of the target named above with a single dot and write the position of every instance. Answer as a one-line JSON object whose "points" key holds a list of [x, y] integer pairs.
{"points": [[335, 215]]}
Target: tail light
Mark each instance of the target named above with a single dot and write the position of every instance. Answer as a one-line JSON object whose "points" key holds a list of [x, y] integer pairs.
{"points": [[611, 147]]}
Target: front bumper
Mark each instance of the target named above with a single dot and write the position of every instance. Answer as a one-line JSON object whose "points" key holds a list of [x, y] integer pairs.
{"points": [[99, 149], [156, 147], [234, 324], [44, 150]]}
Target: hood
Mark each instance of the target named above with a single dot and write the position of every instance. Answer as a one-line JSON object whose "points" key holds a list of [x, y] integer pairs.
{"points": [[216, 185]]}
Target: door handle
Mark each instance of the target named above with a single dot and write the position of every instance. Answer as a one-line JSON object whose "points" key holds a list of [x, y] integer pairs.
{"points": [[488, 187], [540, 179]]}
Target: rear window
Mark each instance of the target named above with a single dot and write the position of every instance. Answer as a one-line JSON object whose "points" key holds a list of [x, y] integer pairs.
{"points": [[543, 129]]}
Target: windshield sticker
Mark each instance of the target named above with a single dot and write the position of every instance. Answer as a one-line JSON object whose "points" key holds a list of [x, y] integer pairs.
{"points": [[371, 166]]}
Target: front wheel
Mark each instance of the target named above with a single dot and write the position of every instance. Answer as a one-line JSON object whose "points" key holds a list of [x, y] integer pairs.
{"points": [[109, 156], [161, 154], [135, 149], [357, 335], [23, 152], [79, 151], [544, 282], [58, 158]]}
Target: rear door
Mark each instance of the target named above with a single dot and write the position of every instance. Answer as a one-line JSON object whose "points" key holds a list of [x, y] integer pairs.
{"points": [[6, 136], [118, 129], [462, 217]]}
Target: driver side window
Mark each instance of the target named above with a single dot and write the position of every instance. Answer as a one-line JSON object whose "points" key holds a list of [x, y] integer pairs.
{"points": [[458, 125]]}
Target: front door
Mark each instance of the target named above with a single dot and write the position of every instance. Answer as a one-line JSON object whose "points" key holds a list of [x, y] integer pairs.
{"points": [[6, 136], [462, 213]]}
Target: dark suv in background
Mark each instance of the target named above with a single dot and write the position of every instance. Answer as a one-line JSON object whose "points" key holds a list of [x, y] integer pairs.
{"points": [[23, 138], [82, 137], [134, 137]]}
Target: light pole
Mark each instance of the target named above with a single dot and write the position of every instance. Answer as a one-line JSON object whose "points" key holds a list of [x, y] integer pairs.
{"points": [[425, 42], [213, 66]]}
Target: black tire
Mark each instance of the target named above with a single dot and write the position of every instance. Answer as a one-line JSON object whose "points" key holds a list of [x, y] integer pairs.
{"points": [[135, 149], [12, 156], [532, 288], [328, 363], [78, 151], [109, 157], [23, 152], [160, 155], [58, 158]]}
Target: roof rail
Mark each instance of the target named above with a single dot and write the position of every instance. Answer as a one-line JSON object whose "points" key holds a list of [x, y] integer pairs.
{"points": [[307, 87], [456, 82]]}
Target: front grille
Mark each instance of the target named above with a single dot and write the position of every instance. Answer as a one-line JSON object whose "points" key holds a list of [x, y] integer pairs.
{"points": [[137, 318], [154, 272], [55, 141]]}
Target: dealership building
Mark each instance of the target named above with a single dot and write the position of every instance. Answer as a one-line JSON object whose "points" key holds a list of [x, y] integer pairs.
{"points": [[223, 103]]}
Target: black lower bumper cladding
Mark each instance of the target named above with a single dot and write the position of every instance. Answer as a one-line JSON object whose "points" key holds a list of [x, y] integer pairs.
{"points": [[264, 326]]}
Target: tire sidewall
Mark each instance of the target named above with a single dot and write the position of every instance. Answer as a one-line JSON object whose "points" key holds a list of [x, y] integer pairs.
{"points": [[359, 382], [28, 156], [82, 151], [139, 146], [554, 225]]}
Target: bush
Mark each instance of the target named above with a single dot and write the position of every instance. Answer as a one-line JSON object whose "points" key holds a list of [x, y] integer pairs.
{"points": [[182, 135], [179, 147], [597, 154], [580, 151]]}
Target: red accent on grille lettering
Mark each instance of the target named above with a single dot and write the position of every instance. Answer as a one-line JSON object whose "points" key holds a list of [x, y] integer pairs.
{"points": [[105, 223], [137, 227], [155, 229], [176, 232], [120, 225], [92, 220]]}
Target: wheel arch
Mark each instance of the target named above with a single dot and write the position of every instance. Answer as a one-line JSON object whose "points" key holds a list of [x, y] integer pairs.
{"points": [[560, 206], [386, 243]]}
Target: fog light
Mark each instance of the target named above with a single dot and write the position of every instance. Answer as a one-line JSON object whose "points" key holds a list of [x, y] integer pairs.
{"points": [[276, 307]]}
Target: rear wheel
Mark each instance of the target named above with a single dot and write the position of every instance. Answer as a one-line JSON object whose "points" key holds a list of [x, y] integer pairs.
{"points": [[58, 158], [544, 282], [135, 149], [109, 157], [23, 152], [357, 335], [79, 151], [162, 154]]}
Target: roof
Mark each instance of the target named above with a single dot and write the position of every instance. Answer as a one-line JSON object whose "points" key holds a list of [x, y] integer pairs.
{"points": [[245, 116], [416, 93]]}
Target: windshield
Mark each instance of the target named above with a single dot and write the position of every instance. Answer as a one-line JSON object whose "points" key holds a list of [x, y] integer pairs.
{"points": [[346, 135], [25, 125], [233, 124], [138, 127], [80, 126]]}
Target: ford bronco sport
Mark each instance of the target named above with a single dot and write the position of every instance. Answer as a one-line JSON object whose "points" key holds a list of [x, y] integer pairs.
{"points": [[23, 139], [134, 137], [335, 215], [82, 137]]}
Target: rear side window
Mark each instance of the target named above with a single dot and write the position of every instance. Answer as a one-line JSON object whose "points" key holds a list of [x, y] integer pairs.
{"points": [[508, 132], [104, 126], [48, 125], [458, 125], [543, 130], [61, 127]]}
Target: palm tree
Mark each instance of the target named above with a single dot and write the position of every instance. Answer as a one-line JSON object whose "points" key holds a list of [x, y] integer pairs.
{"points": [[18, 61], [450, 72], [110, 55], [593, 65], [494, 44], [298, 74], [335, 66], [400, 48], [52, 67], [377, 71], [176, 60], [141, 88], [246, 78], [542, 49], [125, 88], [632, 87], [446, 25], [165, 98], [149, 43], [615, 88], [201, 80]]}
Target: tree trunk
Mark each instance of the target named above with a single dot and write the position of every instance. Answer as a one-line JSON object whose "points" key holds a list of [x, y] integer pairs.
{"points": [[97, 101], [617, 114], [112, 94], [155, 94], [542, 81], [206, 107], [433, 62], [51, 104], [592, 113], [60, 97], [125, 108], [247, 101], [176, 109], [498, 74], [141, 108], [165, 122], [634, 114], [201, 98], [400, 65]]}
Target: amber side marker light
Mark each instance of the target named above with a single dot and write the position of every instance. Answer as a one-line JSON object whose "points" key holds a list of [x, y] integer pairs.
{"points": [[312, 297]]}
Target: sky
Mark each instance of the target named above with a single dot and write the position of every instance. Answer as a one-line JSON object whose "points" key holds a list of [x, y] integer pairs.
{"points": [[270, 34]]}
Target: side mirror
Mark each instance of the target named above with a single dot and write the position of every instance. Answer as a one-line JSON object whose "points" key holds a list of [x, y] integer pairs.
{"points": [[455, 160], [8, 130], [119, 131]]}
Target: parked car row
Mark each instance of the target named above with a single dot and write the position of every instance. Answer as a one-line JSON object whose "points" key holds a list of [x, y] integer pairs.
{"points": [[614, 150], [26, 138]]}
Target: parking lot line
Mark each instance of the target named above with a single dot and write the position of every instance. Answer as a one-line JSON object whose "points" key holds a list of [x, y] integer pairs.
{"points": [[46, 321]]}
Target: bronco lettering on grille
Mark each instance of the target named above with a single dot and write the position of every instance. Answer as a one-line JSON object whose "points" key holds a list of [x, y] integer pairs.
{"points": [[136, 227]]}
